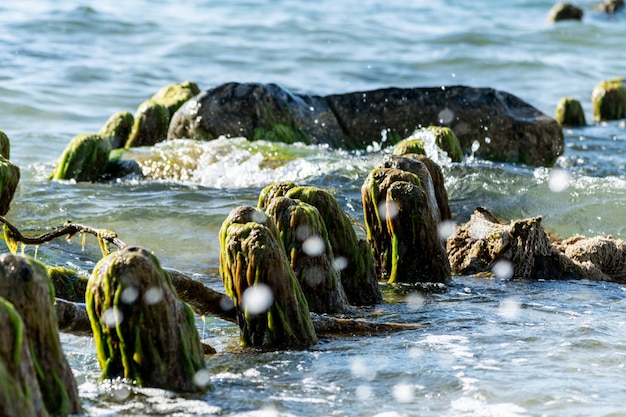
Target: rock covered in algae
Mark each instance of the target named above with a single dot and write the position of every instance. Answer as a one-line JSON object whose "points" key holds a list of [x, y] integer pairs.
{"points": [[569, 112], [151, 123], [117, 128], [84, 159], [443, 137], [9, 178], [306, 243], [20, 394], [352, 256], [272, 311], [5, 145], [173, 96], [25, 283], [402, 228], [142, 330], [564, 11], [609, 100], [611, 6]]}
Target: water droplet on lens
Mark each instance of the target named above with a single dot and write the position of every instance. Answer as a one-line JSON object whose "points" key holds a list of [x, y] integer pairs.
{"points": [[153, 295], [446, 229], [112, 316], [314, 246], [403, 393], [363, 392], [340, 263], [510, 308], [129, 295], [257, 299], [558, 180], [202, 378], [503, 269]]}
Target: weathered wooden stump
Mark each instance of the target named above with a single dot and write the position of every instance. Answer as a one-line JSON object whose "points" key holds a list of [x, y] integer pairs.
{"points": [[20, 394], [306, 243], [9, 178], [358, 273], [142, 330], [402, 227], [272, 310], [84, 159], [24, 282]]}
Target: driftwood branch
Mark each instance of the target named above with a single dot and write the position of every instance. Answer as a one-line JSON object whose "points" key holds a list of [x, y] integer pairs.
{"points": [[13, 236]]}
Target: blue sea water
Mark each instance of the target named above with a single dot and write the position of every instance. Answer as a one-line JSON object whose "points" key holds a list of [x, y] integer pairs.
{"points": [[489, 347]]}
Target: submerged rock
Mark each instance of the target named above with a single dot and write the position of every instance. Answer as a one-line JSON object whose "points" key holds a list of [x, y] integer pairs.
{"points": [[402, 218], [20, 394], [9, 178], [272, 310], [609, 100], [352, 256], [142, 330], [569, 112], [25, 284], [84, 159], [507, 128]]}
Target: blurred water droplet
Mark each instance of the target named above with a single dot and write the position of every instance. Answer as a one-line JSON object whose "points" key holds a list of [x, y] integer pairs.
{"points": [[388, 210], [120, 393], [257, 299], [415, 353], [510, 308], [446, 229], [475, 146], [361, 369], [112, 316], [558, 180], [314, 246], [259, 217], [129, 295], [226, 304], [503, 269], [340, 263], [446, 116], [403, 393], [414, 300], [363, 392], [303, 233], [153, 295], [202, 378], [313, 276]]}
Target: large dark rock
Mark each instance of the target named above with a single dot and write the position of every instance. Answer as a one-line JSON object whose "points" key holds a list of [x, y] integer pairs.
{"points": [[505, 127]]}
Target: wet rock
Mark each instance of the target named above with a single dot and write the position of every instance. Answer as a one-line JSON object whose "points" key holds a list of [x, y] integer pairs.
{"points": [[173, 96], [402, 227], [142, 330], [352, 256], [84, 159], [564, 11], [569, 112], [20, 394], [151, 123], [603, 258], [306, 243], [609, 100], [117, 128], [9, 178], [507, 128], [272, 310], [25, 284]]}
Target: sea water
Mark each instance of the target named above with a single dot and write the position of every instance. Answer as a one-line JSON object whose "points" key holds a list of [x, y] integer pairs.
{"points": [[488, 347]]}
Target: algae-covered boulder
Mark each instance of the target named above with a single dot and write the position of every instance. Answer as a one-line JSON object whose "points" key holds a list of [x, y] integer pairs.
{"points": [[609, 100], [306, 243], [442, 137], [20, 394], [173, 96], [9, 178], [569, 112], [151, 123], [142, 330], [117, 128], [25, 284], [272, 310], [402, 229], [564, 11], [84, 159], [5, 145], [354, 258]]}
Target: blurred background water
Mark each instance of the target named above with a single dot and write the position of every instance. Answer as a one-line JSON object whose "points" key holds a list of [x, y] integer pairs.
{"points": [[489, 347]]}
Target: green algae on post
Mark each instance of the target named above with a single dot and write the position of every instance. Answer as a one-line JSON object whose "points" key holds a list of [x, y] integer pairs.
{"points": [[142, 330], [117, 128], [25, 283], [5, 145], [443, 137], [9, 178], [569, 112], [173, 96], [84, 159], [20, 394], [271, 308], [151, 123], [609, 100]]}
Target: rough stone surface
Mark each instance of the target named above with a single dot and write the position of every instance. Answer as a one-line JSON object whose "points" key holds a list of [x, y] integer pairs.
{"points": [[507, 128]]}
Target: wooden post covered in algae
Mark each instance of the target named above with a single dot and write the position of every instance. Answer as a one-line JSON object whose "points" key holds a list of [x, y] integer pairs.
{"points": [[142, 330], [305, 239], [20, 394], [353, 256], [402, 219], [272, 311], [25, 284]]}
